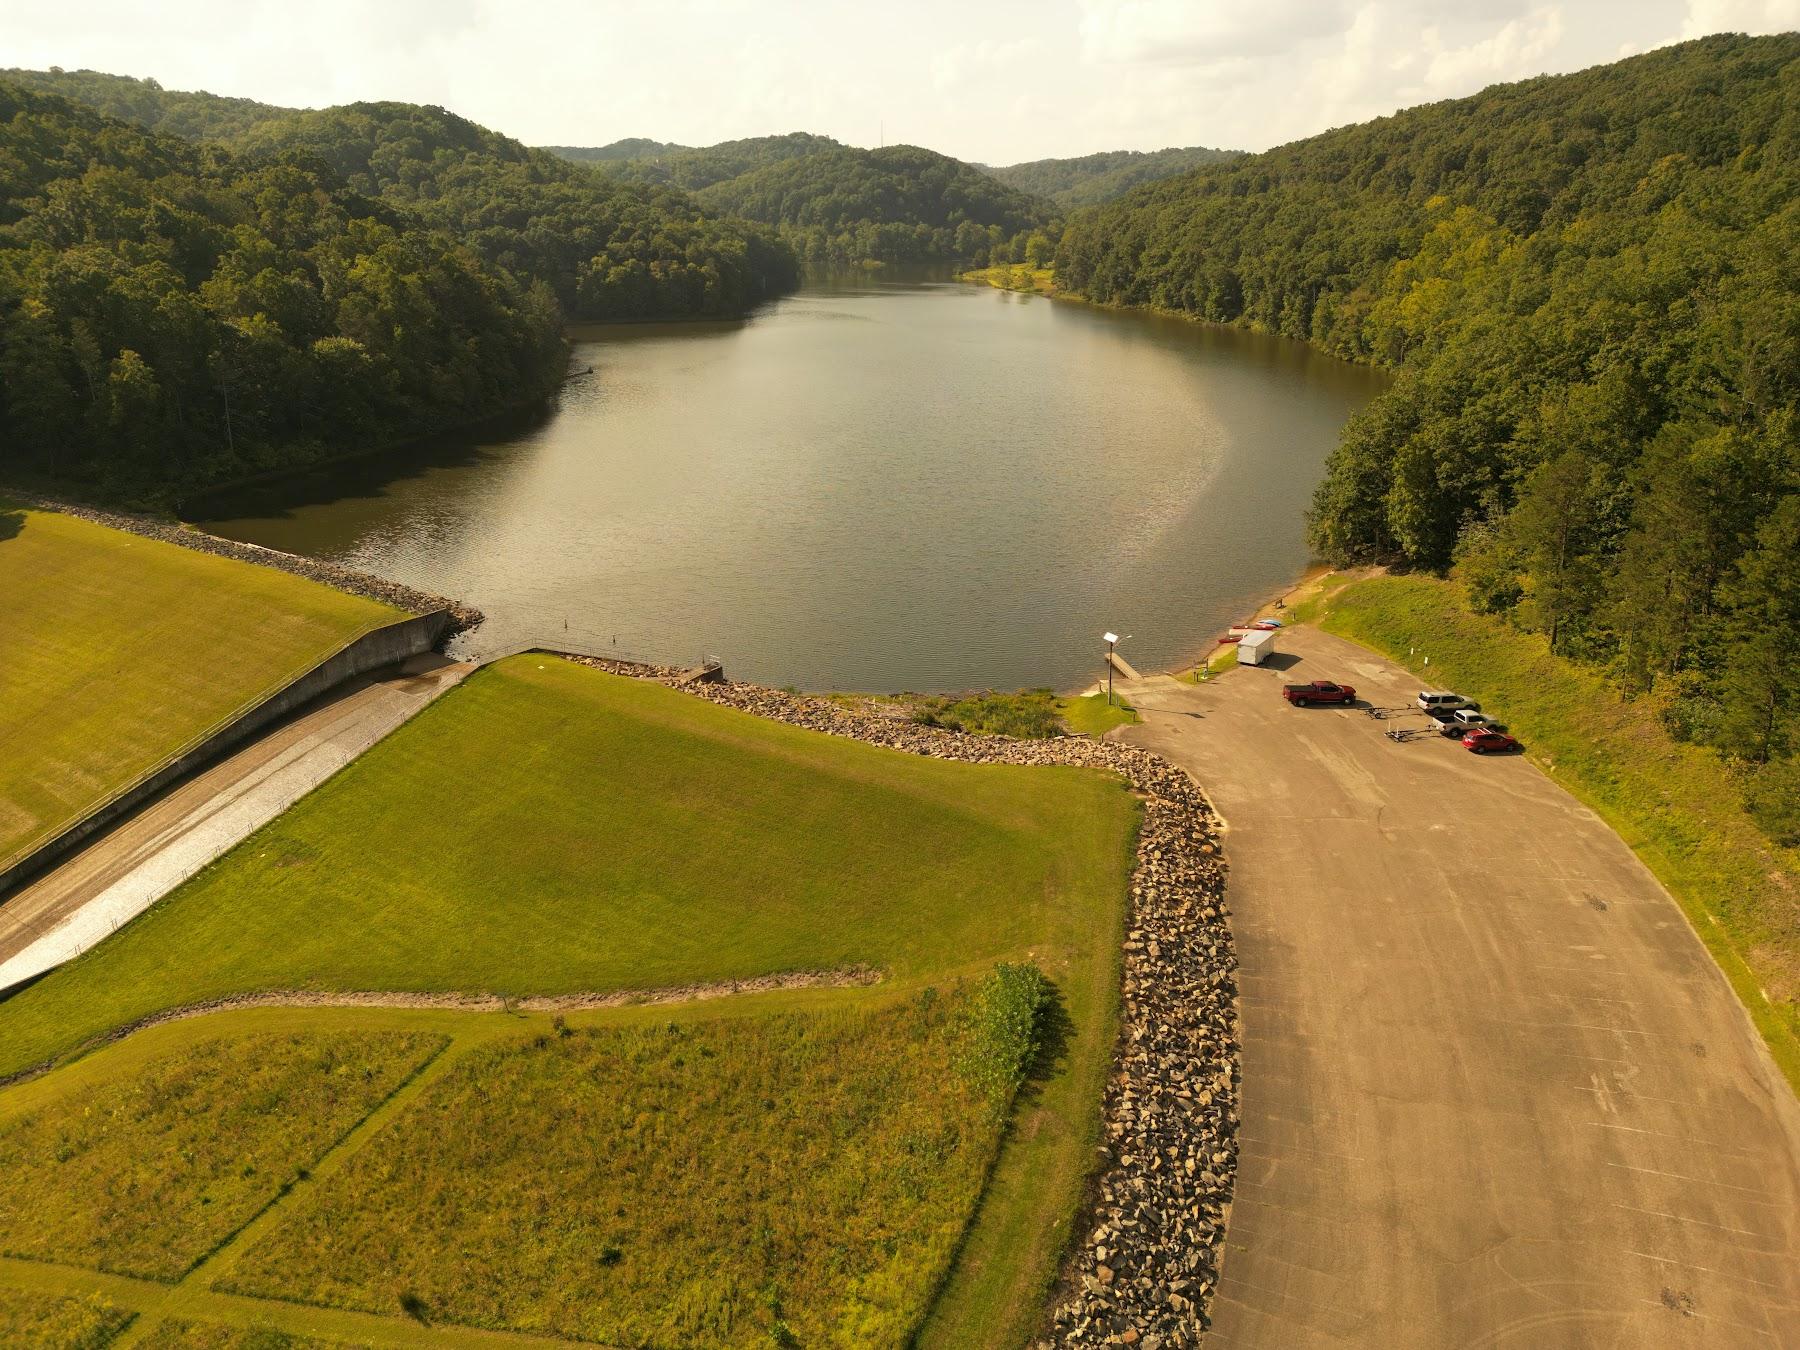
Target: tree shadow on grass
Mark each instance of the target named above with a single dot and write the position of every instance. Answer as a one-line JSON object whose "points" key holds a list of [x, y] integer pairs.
{"points": [[12, 521]]}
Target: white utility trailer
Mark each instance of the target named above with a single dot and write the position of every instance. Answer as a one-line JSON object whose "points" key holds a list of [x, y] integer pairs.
{"points": [[1257, 647]]}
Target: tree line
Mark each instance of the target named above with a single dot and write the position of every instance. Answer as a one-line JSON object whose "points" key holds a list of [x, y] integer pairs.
{"points": [[1588, 288]]}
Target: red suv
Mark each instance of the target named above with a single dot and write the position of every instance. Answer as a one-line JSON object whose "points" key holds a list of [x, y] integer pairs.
{"points": [[1484, 741]]}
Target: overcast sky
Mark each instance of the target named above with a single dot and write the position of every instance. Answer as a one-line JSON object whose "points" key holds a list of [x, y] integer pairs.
{"points": [[988, 80]]}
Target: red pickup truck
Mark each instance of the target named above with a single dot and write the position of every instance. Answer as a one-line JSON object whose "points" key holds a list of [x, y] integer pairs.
{"points": [[1319, 691]]}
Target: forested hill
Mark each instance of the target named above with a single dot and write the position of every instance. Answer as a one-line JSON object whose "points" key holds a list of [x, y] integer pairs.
{"points": [[172, 315], [608, 248], [193, 116], [838, 203], [632, 147], [693, 168], [1590, 288], [1089, 180]]}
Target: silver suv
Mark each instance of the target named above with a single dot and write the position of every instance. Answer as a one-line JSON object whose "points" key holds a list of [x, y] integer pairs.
{"points": [[1442, 700]]}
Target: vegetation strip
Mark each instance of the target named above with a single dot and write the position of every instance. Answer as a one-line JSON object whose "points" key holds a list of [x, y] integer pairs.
{"points": [[376, 998], [1146, 1270]]}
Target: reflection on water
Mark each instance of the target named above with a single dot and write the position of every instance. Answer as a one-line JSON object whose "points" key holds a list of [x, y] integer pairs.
{"points": [[872, 485]]}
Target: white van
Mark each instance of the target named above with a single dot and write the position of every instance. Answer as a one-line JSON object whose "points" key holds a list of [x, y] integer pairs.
{"points": [[1442, 700]]}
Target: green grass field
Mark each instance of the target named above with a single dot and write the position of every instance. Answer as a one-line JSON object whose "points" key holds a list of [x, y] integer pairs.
{"points": [[169, 1183], [1674, 804], [1093, 715], [549, 829], [122, 650], [741, 1180], [58, 1321]]}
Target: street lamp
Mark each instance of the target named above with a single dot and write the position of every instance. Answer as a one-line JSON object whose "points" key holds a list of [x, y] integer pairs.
{"points": [[1112, 640]]}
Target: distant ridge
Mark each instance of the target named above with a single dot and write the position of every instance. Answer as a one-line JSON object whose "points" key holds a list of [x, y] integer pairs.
{"points": [[840, 203], [1089, 180], [632, 147]]}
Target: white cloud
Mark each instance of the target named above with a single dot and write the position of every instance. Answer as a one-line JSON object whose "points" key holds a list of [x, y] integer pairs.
{"points": [[1517, 49], [1180, 32], [1740, 16]]}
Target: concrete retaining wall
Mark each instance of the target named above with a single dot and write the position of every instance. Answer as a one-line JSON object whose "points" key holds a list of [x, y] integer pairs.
{"points": [[384, 646]]}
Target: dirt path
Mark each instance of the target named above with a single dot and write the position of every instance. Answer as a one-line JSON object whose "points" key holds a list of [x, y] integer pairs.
{"points": [[1495, 1093]]}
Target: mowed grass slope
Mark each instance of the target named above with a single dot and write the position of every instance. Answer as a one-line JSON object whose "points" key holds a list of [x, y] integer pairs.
{"points": [[116, 651], [548, 829]]}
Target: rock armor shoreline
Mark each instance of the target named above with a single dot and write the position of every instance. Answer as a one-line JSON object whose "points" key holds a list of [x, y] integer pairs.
{"points": [[462, 617], [1143, 1271]]}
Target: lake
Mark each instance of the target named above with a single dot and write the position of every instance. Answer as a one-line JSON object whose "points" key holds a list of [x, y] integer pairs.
{"points": [[873, 485]]}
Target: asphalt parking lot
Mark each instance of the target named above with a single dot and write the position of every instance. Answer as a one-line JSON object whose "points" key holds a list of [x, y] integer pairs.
{"points": [[1495, 1092]]}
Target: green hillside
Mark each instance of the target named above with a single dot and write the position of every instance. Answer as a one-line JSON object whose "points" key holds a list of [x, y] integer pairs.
{"points": [[1589, 287], [99, 684], [632, 147], [1089, 180], [194, 116], [607, 248], [697, 1171], [836, 203], [696, 167], [171, 315]]}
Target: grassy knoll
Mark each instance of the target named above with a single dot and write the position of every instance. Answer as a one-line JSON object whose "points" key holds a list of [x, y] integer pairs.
{"points": [[1092, 715], [796, 1178], [121, 650], [145, 1173], [1675, 804], [1015, 277], [549, 829], [58, 1321]]}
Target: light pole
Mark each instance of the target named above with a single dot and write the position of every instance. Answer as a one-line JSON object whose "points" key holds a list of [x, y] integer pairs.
{"points": [[1112, 640]]}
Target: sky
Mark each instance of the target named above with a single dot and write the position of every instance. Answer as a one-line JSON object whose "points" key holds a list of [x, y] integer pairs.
{"points": [[993, 81]]}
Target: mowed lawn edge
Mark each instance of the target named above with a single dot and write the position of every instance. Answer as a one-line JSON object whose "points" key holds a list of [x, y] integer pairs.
{"points": [[122, 652], [1674, 804]]}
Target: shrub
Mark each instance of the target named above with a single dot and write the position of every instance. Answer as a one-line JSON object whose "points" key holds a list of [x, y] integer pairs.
{"points": [[1773, 798], [1029, 714], [1005, 1029]]}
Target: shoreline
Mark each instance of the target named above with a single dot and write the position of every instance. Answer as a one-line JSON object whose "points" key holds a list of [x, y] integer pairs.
{"points": [[1295, 593]]}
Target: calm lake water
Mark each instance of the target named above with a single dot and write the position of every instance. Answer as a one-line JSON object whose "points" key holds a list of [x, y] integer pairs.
{"points": [[872, 485]]}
